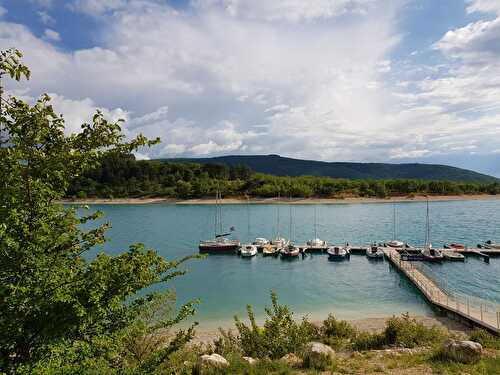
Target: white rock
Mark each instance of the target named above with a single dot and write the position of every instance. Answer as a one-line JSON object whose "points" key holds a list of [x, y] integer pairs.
{"points": [[316, 353], [250, 360], [462, 351], [211, 361]]}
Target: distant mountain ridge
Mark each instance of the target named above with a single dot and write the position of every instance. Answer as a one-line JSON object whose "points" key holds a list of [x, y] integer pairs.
{"points": [[283, 166]]}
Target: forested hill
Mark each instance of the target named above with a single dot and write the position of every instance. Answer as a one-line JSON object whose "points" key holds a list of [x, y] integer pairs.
{"points": [[123, 176], [282, 166]]}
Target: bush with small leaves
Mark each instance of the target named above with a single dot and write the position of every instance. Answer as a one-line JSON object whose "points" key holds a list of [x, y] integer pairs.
{"points": [[368, 341], [486, 339], [279, 335], [407, 332]]}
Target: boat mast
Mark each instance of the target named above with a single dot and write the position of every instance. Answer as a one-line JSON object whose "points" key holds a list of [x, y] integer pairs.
{"points": [[220, 213], [248, 217], [427, 228], [216, 213], [290, 230], [315, 223], [394, 222], [278, 218]]}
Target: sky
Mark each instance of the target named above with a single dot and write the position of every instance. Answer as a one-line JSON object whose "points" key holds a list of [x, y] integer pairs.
{"points": [[335, 80]]}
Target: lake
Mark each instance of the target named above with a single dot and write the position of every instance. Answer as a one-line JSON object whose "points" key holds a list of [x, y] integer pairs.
{"points": [[353, 289]]}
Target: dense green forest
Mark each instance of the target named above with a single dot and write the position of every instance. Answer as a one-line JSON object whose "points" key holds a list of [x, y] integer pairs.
{"points": [[282, 166], [123, 176]]}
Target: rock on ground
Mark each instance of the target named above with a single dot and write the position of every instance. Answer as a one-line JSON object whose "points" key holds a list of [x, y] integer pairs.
{"points": [[316, 354], [462, 351], [250, 360], [211, 361]]}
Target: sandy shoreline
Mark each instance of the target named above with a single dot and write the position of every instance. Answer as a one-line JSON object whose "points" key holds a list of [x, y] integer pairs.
{"points": [[350, 200], [207, 334]]}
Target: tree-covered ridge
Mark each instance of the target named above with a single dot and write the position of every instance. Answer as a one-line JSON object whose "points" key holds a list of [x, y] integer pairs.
{"points": [[283, 166], [123, 176]]}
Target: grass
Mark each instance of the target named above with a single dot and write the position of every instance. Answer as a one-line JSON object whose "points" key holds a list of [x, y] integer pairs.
{"points": [[486, 366], [356, 350], [357, 363]]}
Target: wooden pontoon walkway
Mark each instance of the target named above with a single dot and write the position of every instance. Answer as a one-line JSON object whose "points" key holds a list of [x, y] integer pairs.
{"points": [[479, 313]]}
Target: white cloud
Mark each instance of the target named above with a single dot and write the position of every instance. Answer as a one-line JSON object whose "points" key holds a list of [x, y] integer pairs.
{"points": [[478, 41], [3, 11], [290, 10], [483, 6], [237, 77], [77, 112], [53, 35], [96, 7], [46, 18]]}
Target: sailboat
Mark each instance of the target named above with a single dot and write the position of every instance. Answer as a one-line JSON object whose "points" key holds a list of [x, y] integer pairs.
{"points": [[249, 249], [394, 242], [290, 250], [220, 244], [428, 253], [316, 244], [374, 252], [279, 242]]}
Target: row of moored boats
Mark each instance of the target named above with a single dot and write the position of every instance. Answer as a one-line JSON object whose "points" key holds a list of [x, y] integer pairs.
{"points": [[280, 246]]}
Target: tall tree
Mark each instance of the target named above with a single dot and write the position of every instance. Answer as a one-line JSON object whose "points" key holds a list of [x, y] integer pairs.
{"points": [[50, 291]]}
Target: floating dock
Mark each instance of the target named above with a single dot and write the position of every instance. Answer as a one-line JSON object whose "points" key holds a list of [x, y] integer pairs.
{"points": [[472, 310]]}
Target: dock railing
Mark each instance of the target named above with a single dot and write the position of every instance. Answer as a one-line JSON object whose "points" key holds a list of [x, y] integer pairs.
{"points": [[483, 312]]}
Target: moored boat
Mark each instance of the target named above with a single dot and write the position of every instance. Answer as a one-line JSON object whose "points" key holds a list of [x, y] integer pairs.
{"points": [[220, 244], [270, 250], [458, 246], [290, 251], [431, 255], [395, 244], [491, 245], [338, 252], [248, 250], [260, 242], [453, 256], [428, 253], [316, 245], [374, 252], [280, 242]]}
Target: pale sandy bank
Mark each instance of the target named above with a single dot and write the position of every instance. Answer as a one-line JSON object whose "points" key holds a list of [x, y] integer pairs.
{"points": [[348, 200]]}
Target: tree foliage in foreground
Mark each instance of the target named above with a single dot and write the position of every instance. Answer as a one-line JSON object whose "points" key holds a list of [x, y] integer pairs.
{"points": [[54, 299], [122, 176]]}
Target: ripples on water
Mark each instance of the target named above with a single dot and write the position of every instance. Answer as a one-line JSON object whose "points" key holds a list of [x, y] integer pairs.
{"points": [[356, 289]]}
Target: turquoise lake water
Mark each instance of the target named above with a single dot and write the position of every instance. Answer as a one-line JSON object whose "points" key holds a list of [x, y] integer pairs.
{"points": [[353, 289]]}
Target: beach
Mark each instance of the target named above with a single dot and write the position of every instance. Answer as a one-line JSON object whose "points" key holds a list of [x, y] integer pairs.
{"points": [[242, 200]]}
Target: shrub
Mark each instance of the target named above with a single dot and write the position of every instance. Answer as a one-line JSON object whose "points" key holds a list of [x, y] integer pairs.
{"points": [[368, 341], [486, 339], [409, 333], [320, 364], [337, 328], [399, 331], [280, 335], [337, 333], [227, 343]]}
